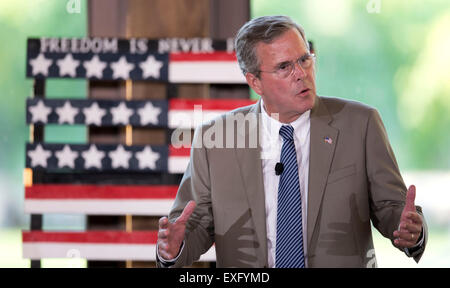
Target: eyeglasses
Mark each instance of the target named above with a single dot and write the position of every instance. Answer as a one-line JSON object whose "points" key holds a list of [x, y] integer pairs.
{"points": [[285, 69]]}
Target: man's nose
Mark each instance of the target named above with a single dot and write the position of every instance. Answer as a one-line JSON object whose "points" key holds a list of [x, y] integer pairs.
{"points": [[299, 71]]}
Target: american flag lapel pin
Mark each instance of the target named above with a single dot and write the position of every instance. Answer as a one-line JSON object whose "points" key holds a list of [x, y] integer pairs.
{"points": [[328, 140]]}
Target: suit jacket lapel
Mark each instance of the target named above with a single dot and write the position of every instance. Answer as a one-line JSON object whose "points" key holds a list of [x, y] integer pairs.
{"points": [[320, 159], [249, 160]]}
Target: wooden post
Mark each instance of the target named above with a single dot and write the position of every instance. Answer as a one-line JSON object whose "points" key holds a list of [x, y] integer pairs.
{"points": [[37, 135], [129, 142], [107, 18], [157, 19]]}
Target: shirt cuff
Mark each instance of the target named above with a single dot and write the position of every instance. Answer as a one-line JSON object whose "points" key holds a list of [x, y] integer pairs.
{"points": [[410, 251], [170, 262]]}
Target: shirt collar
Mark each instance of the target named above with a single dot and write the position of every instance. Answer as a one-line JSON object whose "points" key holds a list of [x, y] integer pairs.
{"points": [[272, 124]]}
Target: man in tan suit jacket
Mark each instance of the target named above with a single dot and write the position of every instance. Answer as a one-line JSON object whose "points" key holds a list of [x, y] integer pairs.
{"points": [[353, 175]]}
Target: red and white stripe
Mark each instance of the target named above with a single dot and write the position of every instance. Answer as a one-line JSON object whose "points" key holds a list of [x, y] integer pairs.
{"points": [[190, 113], [95, 245], [215, 67], [178, 159], [99, 199]]}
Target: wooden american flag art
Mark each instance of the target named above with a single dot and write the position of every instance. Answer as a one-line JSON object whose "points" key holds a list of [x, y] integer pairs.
{"points": [[107, 179]]}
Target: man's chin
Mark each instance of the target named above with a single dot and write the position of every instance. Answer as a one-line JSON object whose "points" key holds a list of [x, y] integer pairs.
{"points": [[308, 103], [304, 108]]}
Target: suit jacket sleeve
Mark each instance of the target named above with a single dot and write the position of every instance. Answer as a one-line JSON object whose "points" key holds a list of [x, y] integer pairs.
{"points": [[195, 185], [386, 187]]}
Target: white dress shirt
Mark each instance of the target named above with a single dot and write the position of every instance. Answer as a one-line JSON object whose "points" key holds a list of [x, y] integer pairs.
{"points": [[271, 143]]}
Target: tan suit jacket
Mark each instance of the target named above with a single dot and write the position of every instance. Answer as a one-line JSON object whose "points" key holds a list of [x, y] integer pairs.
{"points": [[352, 181]]}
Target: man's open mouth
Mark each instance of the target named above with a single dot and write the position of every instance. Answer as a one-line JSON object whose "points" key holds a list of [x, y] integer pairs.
{"points": [[304, 91]]}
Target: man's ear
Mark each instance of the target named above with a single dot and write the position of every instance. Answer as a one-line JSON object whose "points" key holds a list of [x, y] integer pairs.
{"points": [[254, 82]]}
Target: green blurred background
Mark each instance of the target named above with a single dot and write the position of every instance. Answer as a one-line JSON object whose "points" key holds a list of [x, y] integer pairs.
{"points": [[393, 55]]}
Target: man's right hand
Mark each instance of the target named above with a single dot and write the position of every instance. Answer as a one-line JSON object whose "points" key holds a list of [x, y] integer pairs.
{"points": [[171, 235]]}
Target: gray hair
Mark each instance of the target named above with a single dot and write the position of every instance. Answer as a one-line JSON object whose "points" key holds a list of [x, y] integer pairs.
{"points": [[262, 29]]}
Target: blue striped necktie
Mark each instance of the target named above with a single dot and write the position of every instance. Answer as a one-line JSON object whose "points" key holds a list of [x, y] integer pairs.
{"points": [[289, 245]]}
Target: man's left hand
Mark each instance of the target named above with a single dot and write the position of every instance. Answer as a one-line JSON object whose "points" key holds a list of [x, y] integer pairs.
{"points": [[410, 226]]}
